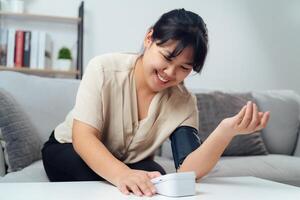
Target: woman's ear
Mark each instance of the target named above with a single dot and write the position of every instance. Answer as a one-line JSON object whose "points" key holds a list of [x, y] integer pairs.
{"points": [[148, 39]]}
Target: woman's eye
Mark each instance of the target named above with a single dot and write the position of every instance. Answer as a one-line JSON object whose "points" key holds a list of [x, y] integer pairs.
{"points": [[166, 58], [185, 68]]}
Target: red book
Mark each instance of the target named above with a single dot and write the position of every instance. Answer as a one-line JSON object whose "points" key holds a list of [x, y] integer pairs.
{"points": [[19, 48]]}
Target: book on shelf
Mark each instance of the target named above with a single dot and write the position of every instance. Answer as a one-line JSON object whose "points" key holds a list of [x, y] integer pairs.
{"points": [[3, 46], [26, 58], [24, 48], [19, 49], [44, 50]]}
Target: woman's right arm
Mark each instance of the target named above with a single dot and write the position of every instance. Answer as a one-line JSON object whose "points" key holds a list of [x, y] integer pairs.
{"points": [[87, 143]]}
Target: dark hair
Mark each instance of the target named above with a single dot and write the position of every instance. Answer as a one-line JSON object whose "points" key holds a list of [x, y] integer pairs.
{"points": [[188, 29]]}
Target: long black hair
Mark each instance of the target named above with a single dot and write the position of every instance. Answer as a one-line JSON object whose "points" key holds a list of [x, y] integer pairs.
{"points": [[188, 29]]}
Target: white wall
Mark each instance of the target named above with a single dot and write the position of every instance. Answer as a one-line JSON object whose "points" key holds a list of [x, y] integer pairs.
{"points": [[254, 44]]}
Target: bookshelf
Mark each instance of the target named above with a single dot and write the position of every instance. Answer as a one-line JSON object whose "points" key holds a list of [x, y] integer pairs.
{"points": [[41, 72], [47, 18], [76, 21]]}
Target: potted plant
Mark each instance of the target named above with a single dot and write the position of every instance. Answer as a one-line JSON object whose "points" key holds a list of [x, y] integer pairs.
{"points": [[64, 59]]}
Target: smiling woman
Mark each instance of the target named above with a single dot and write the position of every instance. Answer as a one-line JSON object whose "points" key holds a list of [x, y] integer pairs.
{"points": [[175, 45], [127, 105], [160, 70]]}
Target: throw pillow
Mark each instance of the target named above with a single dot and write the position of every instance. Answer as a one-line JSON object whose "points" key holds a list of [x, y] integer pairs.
{"points": [[18, 137], [216, 106]]}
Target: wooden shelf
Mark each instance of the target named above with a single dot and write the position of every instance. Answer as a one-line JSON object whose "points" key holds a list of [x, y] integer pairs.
{"points": [[41, 72], [28, 18], [38, 17]]}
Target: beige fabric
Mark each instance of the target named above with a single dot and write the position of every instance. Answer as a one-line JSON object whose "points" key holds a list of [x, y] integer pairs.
{"points": [[106, 100]]}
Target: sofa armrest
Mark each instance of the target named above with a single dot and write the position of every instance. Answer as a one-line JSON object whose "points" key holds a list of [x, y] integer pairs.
{"points": [[297, 149], [2, 162], [2, 158]]}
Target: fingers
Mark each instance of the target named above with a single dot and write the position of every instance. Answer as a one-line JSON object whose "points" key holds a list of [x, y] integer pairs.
{"points": [[135, 189], [252, 120], [154, 174], [241, 114], [255, 118], [123, 189], [248, 115], [145, 183], [139, 183], [151, 187], [248, 120], [263, 121], [145, 187]]}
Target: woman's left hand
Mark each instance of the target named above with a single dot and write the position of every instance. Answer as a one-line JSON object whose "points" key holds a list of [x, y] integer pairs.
{"points": [[247, 121]]}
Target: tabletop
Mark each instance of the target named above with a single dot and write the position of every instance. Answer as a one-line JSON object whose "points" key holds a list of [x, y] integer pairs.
{"points": [[231, 188]]}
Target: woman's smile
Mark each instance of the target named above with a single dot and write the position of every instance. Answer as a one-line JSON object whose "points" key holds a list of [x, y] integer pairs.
{"points": [[160, 79]]}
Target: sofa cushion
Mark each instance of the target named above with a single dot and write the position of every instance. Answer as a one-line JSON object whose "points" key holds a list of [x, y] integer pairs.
{"points": [[216, 106], [280, 135], [274, 167], [46, 101], [32, 173], [18, 137]]}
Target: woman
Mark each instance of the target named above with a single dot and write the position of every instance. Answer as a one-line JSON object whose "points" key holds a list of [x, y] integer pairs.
{"points": [[127, 105]]}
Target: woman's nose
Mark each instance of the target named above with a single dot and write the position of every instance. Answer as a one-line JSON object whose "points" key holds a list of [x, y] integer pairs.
{"points": [[170, 71]]}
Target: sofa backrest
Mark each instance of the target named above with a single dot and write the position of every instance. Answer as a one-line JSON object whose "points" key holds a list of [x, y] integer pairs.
{"points": [[46, 101], [282, 131]]}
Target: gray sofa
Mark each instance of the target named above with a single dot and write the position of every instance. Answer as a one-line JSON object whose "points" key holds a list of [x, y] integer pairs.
{"points": [[47, 101]]}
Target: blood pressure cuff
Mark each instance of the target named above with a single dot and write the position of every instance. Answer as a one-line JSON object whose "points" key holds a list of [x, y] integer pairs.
{"points": [[184, 140]]}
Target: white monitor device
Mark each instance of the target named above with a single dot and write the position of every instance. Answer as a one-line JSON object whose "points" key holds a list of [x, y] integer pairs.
{"points": [[176, 184]]}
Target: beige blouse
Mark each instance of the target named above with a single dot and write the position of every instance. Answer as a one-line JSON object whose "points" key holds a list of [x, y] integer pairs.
{"points": [[107, 100]]}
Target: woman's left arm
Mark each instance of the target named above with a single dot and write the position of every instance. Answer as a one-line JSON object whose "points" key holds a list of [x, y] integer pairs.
{"points": [[205, 157]]}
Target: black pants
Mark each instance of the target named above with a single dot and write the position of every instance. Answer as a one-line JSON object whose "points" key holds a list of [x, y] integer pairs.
{"points": [[62, 163]]}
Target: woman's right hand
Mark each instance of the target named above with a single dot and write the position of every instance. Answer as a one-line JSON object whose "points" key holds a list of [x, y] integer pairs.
{"points": [[137, 181]]}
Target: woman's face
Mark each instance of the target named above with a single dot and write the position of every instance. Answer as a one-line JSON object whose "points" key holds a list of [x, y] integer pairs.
{"points": [[160, 72]]}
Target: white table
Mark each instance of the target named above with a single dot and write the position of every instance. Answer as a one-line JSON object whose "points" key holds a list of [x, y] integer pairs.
{"points": [[229, 188]]}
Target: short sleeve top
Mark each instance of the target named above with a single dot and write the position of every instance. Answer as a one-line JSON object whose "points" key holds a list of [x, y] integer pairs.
{"points": [[107, 100]]}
